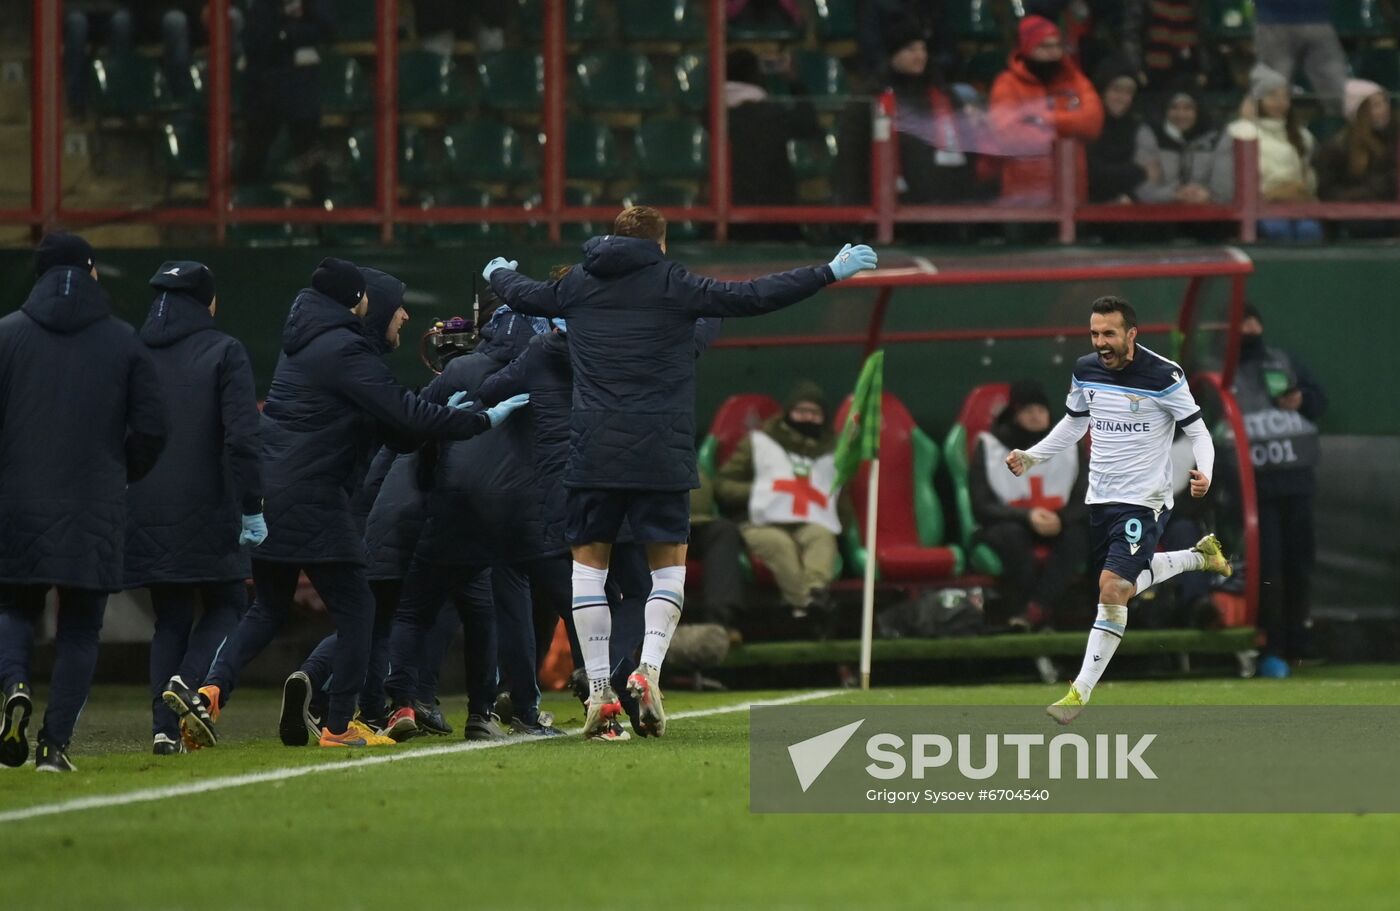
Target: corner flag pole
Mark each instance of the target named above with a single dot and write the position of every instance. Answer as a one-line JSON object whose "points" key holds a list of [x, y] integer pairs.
{"points": [[867, 608]]}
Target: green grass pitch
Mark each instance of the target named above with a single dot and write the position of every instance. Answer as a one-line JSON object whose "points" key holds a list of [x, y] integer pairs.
{"points": [[656, 824]]}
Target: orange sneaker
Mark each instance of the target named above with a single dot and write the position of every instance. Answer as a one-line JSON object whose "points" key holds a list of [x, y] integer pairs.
{"points": [[212, 693], [197, 711], [358, 734]]}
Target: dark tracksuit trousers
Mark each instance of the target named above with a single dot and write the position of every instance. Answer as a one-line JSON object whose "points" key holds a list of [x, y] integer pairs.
{"points": [[318, 665], [1022, 579], [1286, 557], [180, 646], [79, 623], [427, 587], [717, 544], [342, 586]]}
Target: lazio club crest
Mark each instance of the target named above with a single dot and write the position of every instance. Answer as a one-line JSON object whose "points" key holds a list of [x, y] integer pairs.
{"points": [[1134, 402]]}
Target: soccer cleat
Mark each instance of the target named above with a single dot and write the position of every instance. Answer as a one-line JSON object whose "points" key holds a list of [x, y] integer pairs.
{"points": [[651, 716], [1068, 708], [295, 723], [402, 724], [484, 727], [14, 739], [542, 726], [578, 685], [166, 746], [602, 721], [1213, 553], [430, 719], [50, 758], [197, 711], [357, 734]]}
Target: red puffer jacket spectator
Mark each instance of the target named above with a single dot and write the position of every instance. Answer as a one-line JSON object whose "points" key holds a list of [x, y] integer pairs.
{"points": [[1040, 97]]}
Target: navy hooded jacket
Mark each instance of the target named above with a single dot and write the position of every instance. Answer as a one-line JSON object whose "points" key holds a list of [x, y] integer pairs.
{"points": [[396, 517], [81, 415], [631, 315], [544, 372], [331, 395], [483, 507], [183, 517]]}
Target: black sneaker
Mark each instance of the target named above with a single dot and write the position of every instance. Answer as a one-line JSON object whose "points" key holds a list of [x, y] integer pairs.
{"points": [[294, 725], [50, 758], [431, 720], [542, 726], [504, 708], [484, 727], [195, 717], [14, 739], [164, 746]]}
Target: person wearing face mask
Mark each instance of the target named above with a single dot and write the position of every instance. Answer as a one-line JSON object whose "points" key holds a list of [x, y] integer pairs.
{"points": [[1042, 96], [783, 473], [1044, 506], [1282, 402]]}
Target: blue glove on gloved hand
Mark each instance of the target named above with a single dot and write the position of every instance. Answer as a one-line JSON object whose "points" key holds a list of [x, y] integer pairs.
{"points": [[852, 260], [499, 262], [498, 413], [254, 530], [459, 400]]}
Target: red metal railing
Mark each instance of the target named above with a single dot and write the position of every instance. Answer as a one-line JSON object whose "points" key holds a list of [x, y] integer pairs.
{"points": [[883, 211]]}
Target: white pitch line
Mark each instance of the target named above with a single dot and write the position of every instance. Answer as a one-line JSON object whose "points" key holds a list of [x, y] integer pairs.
{"points": [[377, 758]]}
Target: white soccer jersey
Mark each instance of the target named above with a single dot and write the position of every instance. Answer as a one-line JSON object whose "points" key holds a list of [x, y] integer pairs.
{"points": [[1133, 415]]}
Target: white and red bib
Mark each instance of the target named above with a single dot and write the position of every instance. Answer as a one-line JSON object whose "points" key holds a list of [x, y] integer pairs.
{"points": [[790, 488], [1047, 484]]}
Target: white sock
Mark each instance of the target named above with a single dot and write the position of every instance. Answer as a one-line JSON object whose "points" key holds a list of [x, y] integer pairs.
{"points": [[1103, 642], [593, 620], [1167, 564], [663, 612]]}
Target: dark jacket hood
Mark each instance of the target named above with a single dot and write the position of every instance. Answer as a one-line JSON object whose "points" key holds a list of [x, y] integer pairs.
{"points": [[507, 334], [610, 256], [314, 314], [385, 299], [67, 299], [174, 316]]}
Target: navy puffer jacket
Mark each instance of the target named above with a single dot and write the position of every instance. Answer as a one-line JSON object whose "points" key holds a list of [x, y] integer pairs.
{"points": [[331, 395], [397, 516], [81, 415], [183, 517], [631, 315]]}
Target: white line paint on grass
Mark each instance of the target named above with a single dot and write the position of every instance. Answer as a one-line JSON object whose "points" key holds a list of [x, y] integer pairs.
{"points": [[378, 757]]}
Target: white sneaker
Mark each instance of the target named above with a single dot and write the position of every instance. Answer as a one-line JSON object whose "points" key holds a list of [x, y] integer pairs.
{"points": [[651, 715], [602, 721]]}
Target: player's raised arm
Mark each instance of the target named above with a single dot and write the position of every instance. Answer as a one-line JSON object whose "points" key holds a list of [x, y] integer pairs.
{"points": [[708, 297], [521, 294], [1069, 431]]}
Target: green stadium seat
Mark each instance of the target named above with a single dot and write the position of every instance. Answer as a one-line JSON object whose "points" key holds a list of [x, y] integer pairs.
{"points": [[128, 86], [591, 152], [1361, 19], [355, 20], [484, 150], [779, 29], [414, 167], [1228, 20], [460, 233], [692, 76], [184, 149], [537, 232], [836, 20], [812, 158], [671, 21], [1324, 128], [672, 147], [431, 82], [345, 87], [1380, 65], [821, 75], [584, 20], [512, 80], [973, 20], [257, 196], [350, 235], [663, 195], [617, 80], [199, 81]]}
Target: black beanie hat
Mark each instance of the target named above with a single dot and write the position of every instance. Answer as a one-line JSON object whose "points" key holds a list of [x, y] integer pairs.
{"points": [[1026, 392], [806, 391], [902, 34], [187, 277], [339, 280], [62, 249]]}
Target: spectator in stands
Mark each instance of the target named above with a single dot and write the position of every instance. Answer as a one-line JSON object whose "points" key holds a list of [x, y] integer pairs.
{"points": [[937, 131], [1358, 164], [1115, 173], [1288, 33], [782, 474], [1285, 154], [878, 21], [284, 86], [1282, 402], [759, 129], [759, 13], [1041, 97], [714, 541], [1044, 507], [1162, 42], [1178, 152]]}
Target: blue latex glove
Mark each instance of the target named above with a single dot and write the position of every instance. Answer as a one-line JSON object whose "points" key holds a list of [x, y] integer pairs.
{"points": [[852, 260], [459, 400], [498, 413], [499, 262], [254, 530]]}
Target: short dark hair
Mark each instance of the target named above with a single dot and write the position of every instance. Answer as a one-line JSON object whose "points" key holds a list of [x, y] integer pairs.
{"points": [[640, 221], [1111, 304]]}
